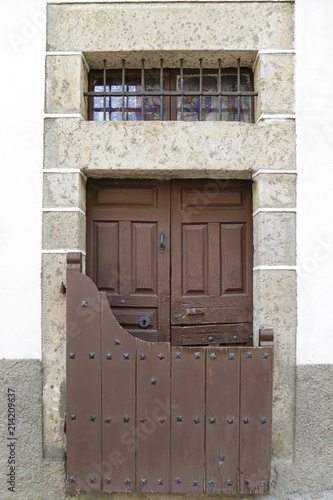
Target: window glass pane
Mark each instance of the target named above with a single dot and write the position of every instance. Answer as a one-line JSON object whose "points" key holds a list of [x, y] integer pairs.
{"points": [[132, 104], [210, 104]]}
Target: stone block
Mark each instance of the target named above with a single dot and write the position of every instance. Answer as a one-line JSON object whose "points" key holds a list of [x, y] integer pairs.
{"points": [[274, 78], [170, 26], [274, 304], [274, 235], [64, 190], [65, 230], [164, 149], [66, 80], [274, 191]]}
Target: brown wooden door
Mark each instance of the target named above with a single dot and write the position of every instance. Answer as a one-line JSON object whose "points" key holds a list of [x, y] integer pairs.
{"points": [[209, 247], [125, 218], [211, 261]]}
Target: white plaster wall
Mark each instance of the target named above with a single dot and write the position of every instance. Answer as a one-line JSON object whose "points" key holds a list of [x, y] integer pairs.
{"points": [[314, 104], [22, 27]]}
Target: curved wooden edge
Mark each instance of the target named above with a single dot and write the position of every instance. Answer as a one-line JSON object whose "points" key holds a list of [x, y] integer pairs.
{"points": [[74, 261], [266, 337]]}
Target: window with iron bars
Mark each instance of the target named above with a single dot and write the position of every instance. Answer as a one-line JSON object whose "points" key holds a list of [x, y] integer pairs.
{"points": [[220, 94]]}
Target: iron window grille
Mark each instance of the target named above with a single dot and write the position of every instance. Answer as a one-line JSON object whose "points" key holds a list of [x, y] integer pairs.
{"points": [[171, 94]]}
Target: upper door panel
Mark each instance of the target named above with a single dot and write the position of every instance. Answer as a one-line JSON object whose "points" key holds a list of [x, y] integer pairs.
{"points": [[211, 253], [125, 219]]}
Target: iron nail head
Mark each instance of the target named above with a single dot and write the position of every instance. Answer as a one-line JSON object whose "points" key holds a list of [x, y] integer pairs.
{"points": [[72, 479], [108, 480], [212, 420], [212, 482], [231, 356], [153, 381], [84, 303], [197, 355]]}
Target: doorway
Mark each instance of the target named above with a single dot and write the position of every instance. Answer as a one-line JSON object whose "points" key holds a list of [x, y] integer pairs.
{"points": [[174, 257]]}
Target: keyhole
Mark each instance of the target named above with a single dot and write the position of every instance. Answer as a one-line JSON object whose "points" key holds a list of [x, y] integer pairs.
{"points": [[144, 322]]}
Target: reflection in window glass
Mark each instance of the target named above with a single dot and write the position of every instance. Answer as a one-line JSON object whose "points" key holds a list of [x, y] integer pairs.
{"points": [[210, 104], [132, 105]]}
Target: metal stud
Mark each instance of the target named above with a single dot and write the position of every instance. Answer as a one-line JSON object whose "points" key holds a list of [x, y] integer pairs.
{"points": [[117, 342], [246, 482], [235, 337], [108, 480], [231, 356], [92, 418], [249, 355], [73, 417], [160, 482], [265, 355], [246, 420], [179, 419], [153, 381], [229, 482], [263, 420], [264, 483], [212, 482], [92, 480], [109, 356], [251, 337], [160, 356], [221, 458], [143, 419], [197, 355], [230, 420], [178, 355], [142, 356], [122, 301], [210, 339], [126, 356], [91, 355], [212, 420], [178, 480], [212, 356], [162, 420], [72, 479], [108, 420], [126, 419], [72, 355], [143, 482], [195, 483], [196, 420], [127, 481], [84, 303]]}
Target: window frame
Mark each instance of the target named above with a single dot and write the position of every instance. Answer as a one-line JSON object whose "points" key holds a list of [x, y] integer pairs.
{"points": [[170, 84]]}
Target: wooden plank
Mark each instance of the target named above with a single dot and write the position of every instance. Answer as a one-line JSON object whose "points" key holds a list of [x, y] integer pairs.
{"points": [[187, 419], [83, 384], [153, 417], [256, 419], [222, 419], [118, 404], [239, 333]]}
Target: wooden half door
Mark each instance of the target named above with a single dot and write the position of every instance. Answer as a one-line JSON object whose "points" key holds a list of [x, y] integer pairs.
{"points": [[128, 252], [211, 262]]}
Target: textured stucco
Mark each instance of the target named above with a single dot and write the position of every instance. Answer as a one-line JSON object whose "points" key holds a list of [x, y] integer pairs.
{"points": [[274, 191], [114, 27], [159, 149], [275, 83], [35, 479], [274, 235]]}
